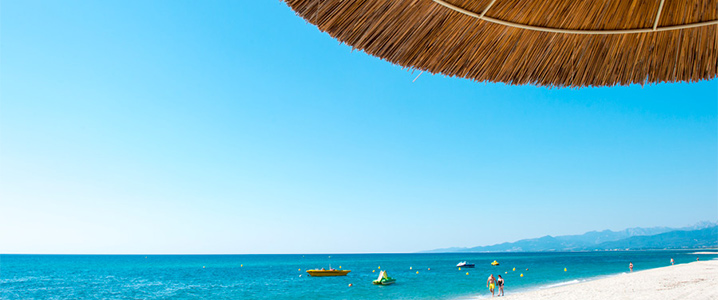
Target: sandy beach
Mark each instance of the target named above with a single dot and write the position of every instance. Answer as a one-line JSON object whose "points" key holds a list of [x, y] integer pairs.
{"points": [[696, 280]]}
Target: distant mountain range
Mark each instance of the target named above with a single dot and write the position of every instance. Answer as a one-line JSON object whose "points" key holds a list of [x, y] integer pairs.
{"points": [[702, 235]]}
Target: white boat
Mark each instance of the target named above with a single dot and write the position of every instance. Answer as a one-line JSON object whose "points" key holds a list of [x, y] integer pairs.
{"points": [[464, 264]]}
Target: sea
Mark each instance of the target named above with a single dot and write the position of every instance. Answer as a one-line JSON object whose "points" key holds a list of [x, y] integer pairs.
{"points": [[418, 275]]}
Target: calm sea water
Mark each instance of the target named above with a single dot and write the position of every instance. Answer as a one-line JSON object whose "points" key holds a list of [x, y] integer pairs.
{"points": [[279, 276]]}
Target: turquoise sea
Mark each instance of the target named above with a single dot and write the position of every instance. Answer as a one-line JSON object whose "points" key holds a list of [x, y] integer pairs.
{"points": [[280, 277]]}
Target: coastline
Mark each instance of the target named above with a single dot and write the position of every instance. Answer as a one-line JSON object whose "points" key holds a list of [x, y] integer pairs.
{"points": [[695, 280]]}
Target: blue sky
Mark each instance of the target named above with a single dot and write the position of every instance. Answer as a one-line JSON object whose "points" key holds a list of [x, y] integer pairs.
{"points": [[237, 127]]}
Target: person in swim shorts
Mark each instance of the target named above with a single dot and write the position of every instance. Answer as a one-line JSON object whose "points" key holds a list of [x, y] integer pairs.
{"points": [[491, 284], [500, 283]]}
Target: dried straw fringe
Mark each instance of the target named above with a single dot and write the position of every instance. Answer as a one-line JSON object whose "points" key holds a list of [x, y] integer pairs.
{"points": [[424, 35]]}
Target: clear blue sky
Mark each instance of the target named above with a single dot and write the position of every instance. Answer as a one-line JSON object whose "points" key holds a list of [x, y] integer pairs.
{"points": [[237, 127]]}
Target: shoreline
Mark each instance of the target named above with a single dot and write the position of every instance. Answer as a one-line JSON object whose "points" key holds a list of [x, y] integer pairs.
{"points": [[694, 280]]}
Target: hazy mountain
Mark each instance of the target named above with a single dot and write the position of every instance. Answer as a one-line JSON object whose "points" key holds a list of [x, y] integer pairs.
{"points": [[634, 238], [701, 238], [700, 225]]}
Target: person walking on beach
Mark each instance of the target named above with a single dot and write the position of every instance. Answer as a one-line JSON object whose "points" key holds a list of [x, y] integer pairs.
{"points": [[500, 283], [491, 283], [671, 261], [630, 266]]}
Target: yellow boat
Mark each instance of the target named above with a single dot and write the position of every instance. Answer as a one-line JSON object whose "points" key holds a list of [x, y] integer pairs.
{"points": [[495, 263], [325, 273]]}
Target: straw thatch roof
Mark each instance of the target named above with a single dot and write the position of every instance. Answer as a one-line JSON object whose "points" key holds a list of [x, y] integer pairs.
{"points": [[550, 43]]}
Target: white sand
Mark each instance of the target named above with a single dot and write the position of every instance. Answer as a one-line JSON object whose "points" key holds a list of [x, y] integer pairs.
{"points": [[695, 281]]}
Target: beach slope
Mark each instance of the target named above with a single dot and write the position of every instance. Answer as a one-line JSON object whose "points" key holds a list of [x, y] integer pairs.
{"points": [[696, 280]]}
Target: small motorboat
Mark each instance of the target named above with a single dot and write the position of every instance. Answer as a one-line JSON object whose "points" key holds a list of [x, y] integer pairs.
{"points": [[325, 273], [464, 264], [495, 263], [384, 279]]}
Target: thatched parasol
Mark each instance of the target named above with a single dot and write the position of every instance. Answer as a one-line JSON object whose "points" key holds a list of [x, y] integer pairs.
{"points": [[550, 43]]}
